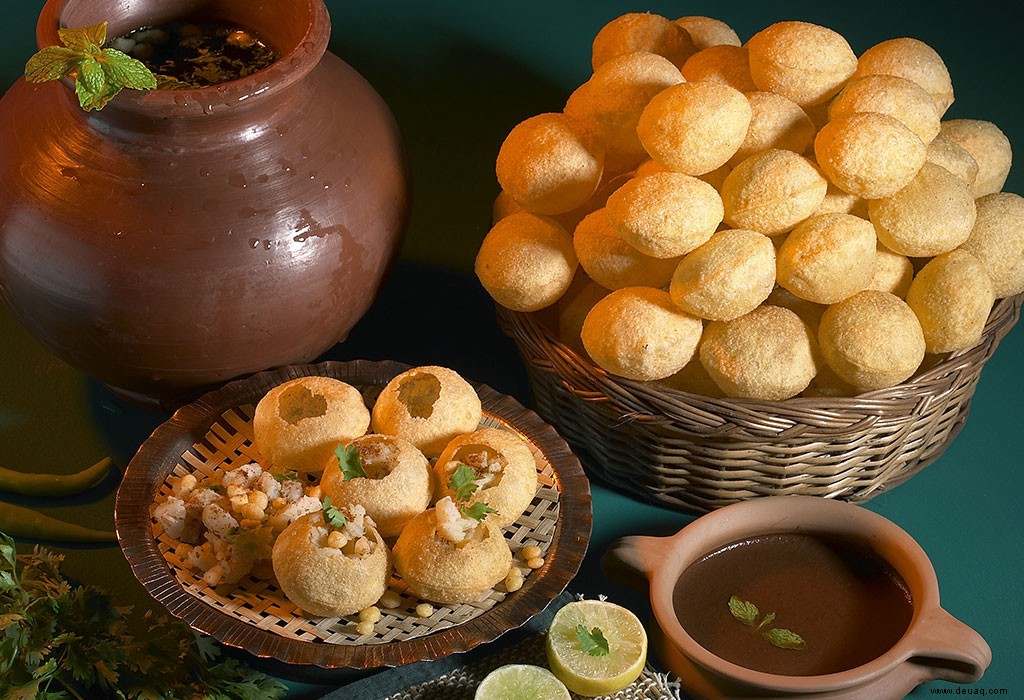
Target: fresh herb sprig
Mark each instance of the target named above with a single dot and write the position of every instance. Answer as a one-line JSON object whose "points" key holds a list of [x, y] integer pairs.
{"points": [[592, 642], [349, 462], [747, 613], [462, 484], [332, 516], [65, 641], [100, 73]]}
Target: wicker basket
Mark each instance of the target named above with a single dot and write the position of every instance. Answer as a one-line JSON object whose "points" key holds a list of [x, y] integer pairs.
{"points": [[697, 453]]}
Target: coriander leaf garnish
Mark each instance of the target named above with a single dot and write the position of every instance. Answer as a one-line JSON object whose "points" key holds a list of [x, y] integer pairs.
{"points": [[64, 640], [333, 516], [747, 613], [477, 511], [785, 639], [99, 73], [462, 483], [288, 475], [349, 462], [592, 642]]}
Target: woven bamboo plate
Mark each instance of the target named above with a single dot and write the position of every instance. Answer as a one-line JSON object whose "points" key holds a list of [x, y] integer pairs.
{"points": [[695, 453], [215, 433]]}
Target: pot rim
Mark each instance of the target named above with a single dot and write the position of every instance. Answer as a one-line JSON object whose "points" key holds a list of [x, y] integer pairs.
{"points": [[793, 513], [294, 64]]}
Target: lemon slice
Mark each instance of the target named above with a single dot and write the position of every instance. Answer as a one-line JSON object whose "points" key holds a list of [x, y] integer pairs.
{"points": [[596, 647], [521, 682]]}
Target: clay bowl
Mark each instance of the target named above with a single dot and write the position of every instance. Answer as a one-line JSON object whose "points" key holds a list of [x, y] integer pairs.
{"points": [[935, 646]]}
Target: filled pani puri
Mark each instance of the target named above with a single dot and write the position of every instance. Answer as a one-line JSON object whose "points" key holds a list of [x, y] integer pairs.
{"points": [[708, 31], [911, 59], [721, 64], [502, 469], [445, 557], [728, 276], [427, 406], [847, 150], [997, 240], [694, 128], [828, 258], [615, 96], [641, 31], [612, 262], [386, 475], [952, 296], [898, 97], [526, 262], [872, 340], [805, 62], [334, 566], [772, 191], [775, 122], [297, 424], [989, 147], [933, 214], [666, 214], [550, 163], [767, 354], [639, 333]]}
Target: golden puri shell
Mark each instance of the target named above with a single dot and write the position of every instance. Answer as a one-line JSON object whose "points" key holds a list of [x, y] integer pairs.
{"points": [[298, 424], [323, 580], [398, 484], [437, 569], [515, 487]]}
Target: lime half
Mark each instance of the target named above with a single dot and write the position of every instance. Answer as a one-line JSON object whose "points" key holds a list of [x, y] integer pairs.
{"points": [[521, 682], [596, 647]]}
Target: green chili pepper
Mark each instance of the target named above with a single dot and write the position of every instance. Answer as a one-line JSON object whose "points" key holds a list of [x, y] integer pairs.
{"points": [[18, 521], [53, 484]]}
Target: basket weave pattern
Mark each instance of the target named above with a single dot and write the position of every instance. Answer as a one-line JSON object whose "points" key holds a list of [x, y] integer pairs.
{"points": [[697, 453]]}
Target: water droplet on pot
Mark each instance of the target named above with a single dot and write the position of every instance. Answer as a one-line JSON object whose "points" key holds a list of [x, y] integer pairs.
{"points": [[327, 185], [282, 129], [262, 178], [204, 171], [348, 182], [70, 172], [118, 234], [254, 243], [307, 46], [295, 62], [236, 180], [266, 245], [207, 109], [305, 150]]}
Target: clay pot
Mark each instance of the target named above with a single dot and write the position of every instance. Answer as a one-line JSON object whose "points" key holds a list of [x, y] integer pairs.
{"points": [[935, 646], [178, 239]]}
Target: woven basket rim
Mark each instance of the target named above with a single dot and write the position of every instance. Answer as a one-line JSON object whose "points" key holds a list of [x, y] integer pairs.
{"points": [[658, 404]]}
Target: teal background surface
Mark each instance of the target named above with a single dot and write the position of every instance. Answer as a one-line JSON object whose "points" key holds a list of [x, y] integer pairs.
{"points": [[458, 76]]}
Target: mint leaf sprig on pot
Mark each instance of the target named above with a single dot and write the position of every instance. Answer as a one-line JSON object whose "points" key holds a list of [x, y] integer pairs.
{"points": [[100, 73]]}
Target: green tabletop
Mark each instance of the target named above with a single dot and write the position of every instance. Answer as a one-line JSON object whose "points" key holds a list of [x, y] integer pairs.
{"points": [[458, 76]]}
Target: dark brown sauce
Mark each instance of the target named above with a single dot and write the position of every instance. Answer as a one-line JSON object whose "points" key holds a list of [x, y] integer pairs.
{"points": [[847, 604], [196, 52]]}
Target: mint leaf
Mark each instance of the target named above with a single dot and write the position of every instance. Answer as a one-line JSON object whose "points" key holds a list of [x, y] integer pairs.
{"points": [[99, 73], [785, 639], [84, 38], [462, 483], [349, 462], [91, 74], [592, 642], [743, 611], [477, 511], [52, 63], [768, 619], [332, 516], [121, 69]]}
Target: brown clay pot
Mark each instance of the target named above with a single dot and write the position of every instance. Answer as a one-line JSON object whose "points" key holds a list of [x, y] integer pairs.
{"points": [[178, 239]]}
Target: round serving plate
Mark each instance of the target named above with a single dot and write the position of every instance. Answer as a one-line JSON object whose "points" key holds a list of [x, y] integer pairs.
{"points": [[215, 433]]}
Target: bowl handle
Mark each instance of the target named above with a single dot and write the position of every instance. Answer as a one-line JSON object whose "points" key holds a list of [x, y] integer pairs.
{"points": [[949, 649], [632, 561]]}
